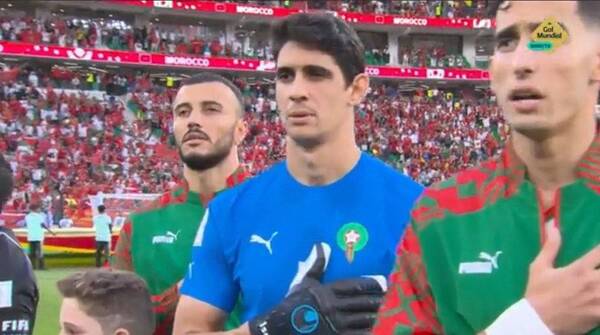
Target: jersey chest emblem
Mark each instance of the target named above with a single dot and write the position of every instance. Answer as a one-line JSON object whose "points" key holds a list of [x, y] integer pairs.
{"points": [[351, 238]]}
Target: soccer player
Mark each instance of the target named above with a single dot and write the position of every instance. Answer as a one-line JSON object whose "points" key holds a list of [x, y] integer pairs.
{"points": [[103, 226], [511, 247], [327, 200], [156, 242], [18, 289], [105, 302]]}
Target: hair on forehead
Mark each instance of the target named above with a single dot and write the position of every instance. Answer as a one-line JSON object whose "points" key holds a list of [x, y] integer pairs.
{"points": [[326, 33], [589, 10], [208, 77], [116, 299]]}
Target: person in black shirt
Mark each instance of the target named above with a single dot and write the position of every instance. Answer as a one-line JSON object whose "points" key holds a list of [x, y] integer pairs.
{"points": [[18, 288]]}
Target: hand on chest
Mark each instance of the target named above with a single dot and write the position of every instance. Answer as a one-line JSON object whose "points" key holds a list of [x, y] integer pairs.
{"points": [[358, 247]]}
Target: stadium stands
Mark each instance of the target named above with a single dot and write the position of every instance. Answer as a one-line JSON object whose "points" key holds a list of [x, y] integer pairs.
{"points": [[73, 133], [51, 132], [409, 8], [111, 34]]}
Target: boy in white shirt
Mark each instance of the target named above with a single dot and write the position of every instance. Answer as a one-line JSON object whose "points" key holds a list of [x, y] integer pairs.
{"points": [[103, 227]]}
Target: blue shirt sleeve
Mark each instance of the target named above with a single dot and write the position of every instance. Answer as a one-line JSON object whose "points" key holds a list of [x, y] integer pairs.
{"points": [[210, 276]]}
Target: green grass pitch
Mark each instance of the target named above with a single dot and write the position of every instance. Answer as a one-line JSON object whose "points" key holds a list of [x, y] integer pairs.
{"points": [[49, 306]]}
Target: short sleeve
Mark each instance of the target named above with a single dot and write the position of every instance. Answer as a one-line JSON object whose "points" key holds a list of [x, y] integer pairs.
{"points": [[210, 276]]}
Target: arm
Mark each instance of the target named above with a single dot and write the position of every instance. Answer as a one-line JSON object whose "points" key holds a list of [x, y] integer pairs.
{"points": [[408, 307], [122, 256], [48, 229], [343, 307], [209, 291], [189, 322]]}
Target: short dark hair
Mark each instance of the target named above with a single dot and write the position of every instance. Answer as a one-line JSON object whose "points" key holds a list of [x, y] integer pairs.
{"points": [[589, 10], [116, 299], [208, 77], [101, 209], [35, 205], [6, 182], [326, 33]]}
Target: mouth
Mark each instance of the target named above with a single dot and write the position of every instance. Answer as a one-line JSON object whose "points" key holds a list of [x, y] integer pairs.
{"points": [[300, 114], [195, 137], [525, 99]]}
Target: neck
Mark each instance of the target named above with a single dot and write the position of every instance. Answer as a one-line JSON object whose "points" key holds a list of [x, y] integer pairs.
{"points": [[552, 162], [207, 182], [325, 163]]}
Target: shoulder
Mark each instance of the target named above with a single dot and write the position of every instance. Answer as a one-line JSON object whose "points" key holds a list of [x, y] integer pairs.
{"points": [[395, 183], [467, 192], [17, 265], [173, 196], [249, 191], [8, 235]]}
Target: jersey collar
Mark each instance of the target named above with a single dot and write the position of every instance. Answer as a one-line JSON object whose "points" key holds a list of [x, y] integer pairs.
{"points": [[182, 193], [588, 168]]}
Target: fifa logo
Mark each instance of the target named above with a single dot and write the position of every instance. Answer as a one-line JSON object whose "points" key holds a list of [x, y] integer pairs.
{"points": [[15, 326]]}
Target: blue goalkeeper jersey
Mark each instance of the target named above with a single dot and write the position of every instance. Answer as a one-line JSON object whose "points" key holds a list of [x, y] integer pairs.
{"points": [[253, 236]]}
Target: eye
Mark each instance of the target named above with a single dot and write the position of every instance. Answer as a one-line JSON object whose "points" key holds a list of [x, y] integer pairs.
{"points": [[506, 44], [315, 73], [284, 76], [182, 112]]}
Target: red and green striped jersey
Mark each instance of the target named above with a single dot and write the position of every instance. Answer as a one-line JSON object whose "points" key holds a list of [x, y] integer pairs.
{"points": [[156, 244], [465, 257]]}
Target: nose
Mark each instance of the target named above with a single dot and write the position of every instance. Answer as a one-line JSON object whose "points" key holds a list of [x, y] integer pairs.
{"points": [[195, 119], [525, 61], [298, 90]]}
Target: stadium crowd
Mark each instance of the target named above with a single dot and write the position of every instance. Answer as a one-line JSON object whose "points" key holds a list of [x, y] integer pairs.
{"points": [[438, 8], [80, 142], [196, 40]]}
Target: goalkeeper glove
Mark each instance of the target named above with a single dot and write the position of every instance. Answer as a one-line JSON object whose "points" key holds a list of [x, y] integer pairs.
{"points": [[342, 307]]}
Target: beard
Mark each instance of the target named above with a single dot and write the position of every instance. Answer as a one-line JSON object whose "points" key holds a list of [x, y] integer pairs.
{"points": [[203, 162]]}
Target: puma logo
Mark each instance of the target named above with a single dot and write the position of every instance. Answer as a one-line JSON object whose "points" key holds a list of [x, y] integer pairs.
{"points": [[267, 243], [492, 259], [489, 264], [174, 236], [168, 238]]}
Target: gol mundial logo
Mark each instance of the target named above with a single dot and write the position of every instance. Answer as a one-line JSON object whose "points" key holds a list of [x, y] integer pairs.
{"points": [[548, 36]]}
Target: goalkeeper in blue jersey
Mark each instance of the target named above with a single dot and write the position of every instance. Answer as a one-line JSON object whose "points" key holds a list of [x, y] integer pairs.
{"points": [[299, 242]]}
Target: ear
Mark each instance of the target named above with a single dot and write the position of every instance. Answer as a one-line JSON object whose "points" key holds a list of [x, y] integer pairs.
{"points": [[121, 331], [240, 131], [358, 88]]}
